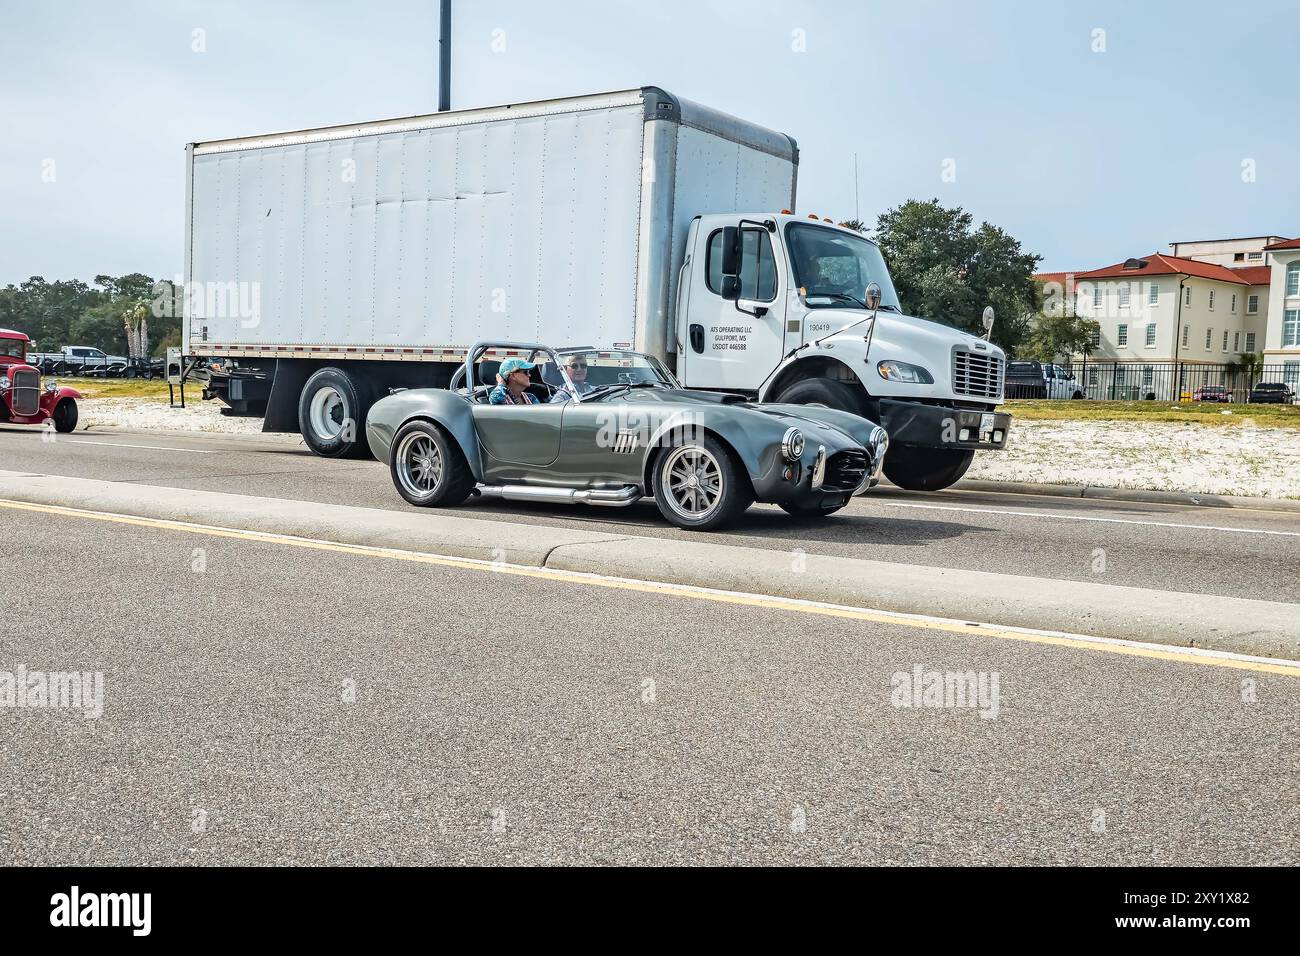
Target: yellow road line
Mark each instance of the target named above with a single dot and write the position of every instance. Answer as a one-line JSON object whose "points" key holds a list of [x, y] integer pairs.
{"points": [[1027, 635]]}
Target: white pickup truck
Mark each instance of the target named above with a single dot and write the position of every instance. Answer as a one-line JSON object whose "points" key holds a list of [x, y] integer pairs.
{"points": [[78, 360], [325, 267]]}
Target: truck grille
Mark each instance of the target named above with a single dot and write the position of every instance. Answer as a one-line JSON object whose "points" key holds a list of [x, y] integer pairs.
{"points": [[25, 391], [845, 471], [977, 375]]}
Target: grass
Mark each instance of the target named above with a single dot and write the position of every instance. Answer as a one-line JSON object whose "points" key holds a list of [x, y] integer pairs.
{"points": [[123, 387], [1204, 413]]}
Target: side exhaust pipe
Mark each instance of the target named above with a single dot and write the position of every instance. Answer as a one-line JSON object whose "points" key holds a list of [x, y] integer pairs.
{"points": [[605, 497]]}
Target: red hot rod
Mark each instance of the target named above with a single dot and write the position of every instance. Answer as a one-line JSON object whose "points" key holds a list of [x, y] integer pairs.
{"points": [[22, 399]]}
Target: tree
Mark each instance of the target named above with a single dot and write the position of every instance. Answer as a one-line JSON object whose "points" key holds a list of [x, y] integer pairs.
{"points": [[1053, 336], [944, 267]]}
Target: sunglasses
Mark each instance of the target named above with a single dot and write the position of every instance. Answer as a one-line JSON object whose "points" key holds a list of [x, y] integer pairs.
{"points": [[578, 368]]}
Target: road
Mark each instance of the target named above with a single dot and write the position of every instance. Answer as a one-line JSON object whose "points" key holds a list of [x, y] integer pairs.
{"points": [[1233, 553], [264, 703]]}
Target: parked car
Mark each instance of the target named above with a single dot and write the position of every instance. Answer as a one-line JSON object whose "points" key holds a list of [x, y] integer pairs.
{"points": [[1041, 380], [1212, 393], [80, 360], [22, 399], [631, 431], [1271, 393]]}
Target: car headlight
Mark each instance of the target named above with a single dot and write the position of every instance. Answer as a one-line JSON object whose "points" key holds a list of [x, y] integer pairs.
{"points": [[51, 385], [792, 444], [4, 382], [903, 372]]}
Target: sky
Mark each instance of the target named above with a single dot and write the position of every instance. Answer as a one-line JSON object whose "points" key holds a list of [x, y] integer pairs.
{"points": [[1090, 130]]}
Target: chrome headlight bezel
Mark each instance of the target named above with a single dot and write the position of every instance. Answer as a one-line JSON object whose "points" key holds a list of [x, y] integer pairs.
{"points": [[792, 444]]}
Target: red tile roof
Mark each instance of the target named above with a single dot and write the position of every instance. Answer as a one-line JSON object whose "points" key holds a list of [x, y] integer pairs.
{"points": [[1255, 275], [1058, 277], [1159, 264], [1289, 244]]}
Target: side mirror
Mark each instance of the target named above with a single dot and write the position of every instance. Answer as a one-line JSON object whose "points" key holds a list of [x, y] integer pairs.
{"points": [[873, 297], [988, 320], [730, 290], [730, 251]]}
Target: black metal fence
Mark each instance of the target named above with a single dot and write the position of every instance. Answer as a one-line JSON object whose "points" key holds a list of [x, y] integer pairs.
{"points": [[1167, 381]]}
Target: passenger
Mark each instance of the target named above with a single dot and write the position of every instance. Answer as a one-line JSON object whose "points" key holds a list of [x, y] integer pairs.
{"points": [[514, 381], [577, 368]]}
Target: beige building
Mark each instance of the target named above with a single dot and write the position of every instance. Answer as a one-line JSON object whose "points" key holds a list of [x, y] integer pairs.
{"points": [[1282, 339]]}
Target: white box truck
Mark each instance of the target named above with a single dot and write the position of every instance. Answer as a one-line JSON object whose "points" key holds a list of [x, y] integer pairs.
{"points": [[325, 267]]}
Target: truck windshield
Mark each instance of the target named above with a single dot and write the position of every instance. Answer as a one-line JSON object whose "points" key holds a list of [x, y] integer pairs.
{"points": [[12, 348], [835, 268]]}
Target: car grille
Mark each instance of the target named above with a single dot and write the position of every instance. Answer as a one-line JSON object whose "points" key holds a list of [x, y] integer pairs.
{"points": [[978, 375], [845, 471], [25, 393]]}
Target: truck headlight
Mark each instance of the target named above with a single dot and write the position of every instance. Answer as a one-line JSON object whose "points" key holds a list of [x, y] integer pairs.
{"points": [[903, 372], [792, 445]]}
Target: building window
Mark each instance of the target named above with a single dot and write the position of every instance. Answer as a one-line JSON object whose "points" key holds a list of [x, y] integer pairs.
{"points": [[1148, 376], [1096, 298], [1236, 341], [1209, 338], [1187, 296], [1211, 300], [1238, 257], [1093, 378], [1151, 335], [1234, 303], [1256, 256], [1121, 375], [1121, 338], [1094, 339], [1123, 295], [1225, 340], [1153, 294], [1252, 305], [1250, 342], [1291, 328], [1291, 375], [1187, 329], [1293, 279]]}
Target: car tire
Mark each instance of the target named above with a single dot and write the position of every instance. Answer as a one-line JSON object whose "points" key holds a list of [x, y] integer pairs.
{"points": [[810, 511], [826, 393], [428, 467], [926, 469], [65, 416], [1077, 396], [330, 398], [717, 500]]}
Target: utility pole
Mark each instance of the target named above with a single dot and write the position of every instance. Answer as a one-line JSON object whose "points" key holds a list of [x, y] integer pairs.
{"points": [[857, 215], [444, 56]]}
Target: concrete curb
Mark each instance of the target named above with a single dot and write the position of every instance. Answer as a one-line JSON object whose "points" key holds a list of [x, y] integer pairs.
{"points": [[1288, 505], [1266, 628]]}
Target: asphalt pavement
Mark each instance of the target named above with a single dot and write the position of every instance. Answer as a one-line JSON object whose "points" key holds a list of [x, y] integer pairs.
{"points": [[270, 703]]}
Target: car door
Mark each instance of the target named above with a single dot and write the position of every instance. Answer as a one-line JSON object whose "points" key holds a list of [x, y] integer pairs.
{"points": [[604, 442], [519, 435]]}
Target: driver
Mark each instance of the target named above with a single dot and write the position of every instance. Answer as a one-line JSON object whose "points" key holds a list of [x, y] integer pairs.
{"points": [[576, 365], [514, 379]]}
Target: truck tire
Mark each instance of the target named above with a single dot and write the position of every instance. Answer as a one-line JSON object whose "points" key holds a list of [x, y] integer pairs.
{"points": [[825, 393], [330, 399], [926, 469], [428, 467], [65, 416]]}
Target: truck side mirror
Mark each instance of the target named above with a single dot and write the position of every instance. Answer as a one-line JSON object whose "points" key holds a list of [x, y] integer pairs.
{"points": [[873, 297], [730, 263]]}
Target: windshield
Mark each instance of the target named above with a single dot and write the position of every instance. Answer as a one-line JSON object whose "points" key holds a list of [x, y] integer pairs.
{"points": [[600, 368], [835, 267], [12, 348]]}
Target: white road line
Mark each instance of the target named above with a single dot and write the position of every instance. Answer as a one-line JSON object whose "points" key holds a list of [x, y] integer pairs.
{"points": [[1054, 516], [121, 444]]}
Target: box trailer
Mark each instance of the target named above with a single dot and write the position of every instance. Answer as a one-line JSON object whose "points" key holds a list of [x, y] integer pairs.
{"points": [[325, 267]]}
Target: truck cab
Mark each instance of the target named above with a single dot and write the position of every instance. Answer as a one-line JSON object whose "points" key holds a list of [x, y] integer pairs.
{"points": [[781, 307]]}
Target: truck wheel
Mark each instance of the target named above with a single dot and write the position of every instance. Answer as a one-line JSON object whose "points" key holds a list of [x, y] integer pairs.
{"points": [[65, 416], [429, 468], [926, 469], [332, 414], [825, 393], [699, 486]]}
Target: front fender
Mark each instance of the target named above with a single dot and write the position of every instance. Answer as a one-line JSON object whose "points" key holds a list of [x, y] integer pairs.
{"points": [[451, 410], [50, 400]]}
